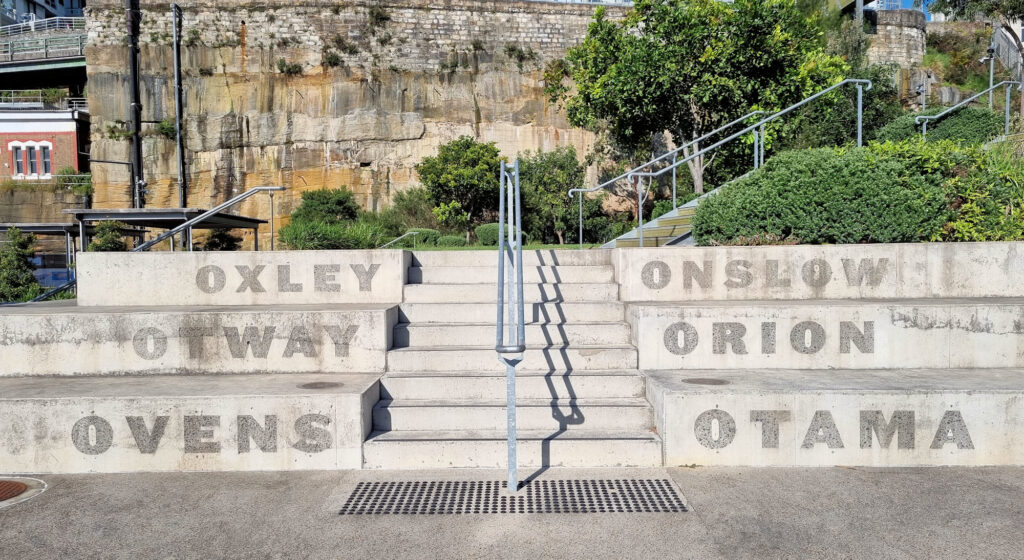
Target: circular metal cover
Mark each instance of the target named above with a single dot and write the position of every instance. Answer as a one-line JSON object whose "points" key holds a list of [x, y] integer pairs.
{"points": [[705, 381], [319, 385], [11, 489]]}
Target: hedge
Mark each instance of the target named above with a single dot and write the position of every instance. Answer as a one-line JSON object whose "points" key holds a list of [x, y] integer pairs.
{"points": [[317, 235], [970, 125], [427, 237], [487, 234], [451, 241]]}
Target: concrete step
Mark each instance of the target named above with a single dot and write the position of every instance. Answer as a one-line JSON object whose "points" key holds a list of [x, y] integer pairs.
{"points": [[296, 421], [487, 293], [474, 358], [686, 220], [830, 334], [529, 385], [545, 257], [461, 334], [531, 414], [67, 340], [649, 241], [666, 230], [489, 274], [542, 313], [881, 418], [487, 449]]}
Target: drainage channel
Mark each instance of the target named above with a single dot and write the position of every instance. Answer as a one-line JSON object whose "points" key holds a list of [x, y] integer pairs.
{"points": [[14, 490], [491, 497]]}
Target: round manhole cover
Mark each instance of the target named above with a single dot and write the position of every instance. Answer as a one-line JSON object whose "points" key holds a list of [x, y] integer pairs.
{"points": [[11, 489], [319, 385], [705, 381]]}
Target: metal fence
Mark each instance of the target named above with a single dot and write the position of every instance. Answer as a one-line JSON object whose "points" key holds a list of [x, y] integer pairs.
{"points": [[57, 46], [58, 24], [39, 100]]}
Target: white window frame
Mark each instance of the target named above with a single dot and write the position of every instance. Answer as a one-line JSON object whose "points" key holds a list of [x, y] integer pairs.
{"points": [[39, 162]]}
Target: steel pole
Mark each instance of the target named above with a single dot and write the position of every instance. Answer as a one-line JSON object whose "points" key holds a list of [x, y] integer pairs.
{"points": [[757, 151], [1006, 117], [860, 115], [178, 106], [639, 212], [132, 17], [581, 219], [673, 182], [272, 225], [991, 76], [763, 144]]}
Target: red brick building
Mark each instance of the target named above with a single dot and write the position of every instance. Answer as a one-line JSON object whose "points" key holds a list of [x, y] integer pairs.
{"points": [[35, 144]]}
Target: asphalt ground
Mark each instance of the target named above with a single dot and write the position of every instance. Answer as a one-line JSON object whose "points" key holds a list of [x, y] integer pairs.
{"points": [[732, 513]]}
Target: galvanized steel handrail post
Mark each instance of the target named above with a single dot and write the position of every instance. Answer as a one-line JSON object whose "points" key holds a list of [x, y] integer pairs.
{"points": [[510, 344], [401, 237], [761, 123], [924, 119], [674, 153]]}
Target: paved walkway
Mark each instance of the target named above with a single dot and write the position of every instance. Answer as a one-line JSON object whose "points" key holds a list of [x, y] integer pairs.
{"points": [[734, 513]]}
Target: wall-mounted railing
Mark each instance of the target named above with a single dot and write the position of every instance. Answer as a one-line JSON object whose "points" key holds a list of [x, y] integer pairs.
{"points": [[42, 48], [413, 234], [39, 100], [923, 120], [49, 25]]}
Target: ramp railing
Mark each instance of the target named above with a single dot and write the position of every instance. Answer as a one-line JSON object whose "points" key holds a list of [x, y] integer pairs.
{"points": [[638, 176], [674, 154], [511, 341], [923, 120]]}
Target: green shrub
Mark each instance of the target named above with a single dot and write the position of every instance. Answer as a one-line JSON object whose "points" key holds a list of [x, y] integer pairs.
{"points": [[327, 205], [970, 125], [167, 128], [288, 69], [17, 283], [451, 241], [315, 235], [221, 240], [663, 207], [108, 238], [886, 192], [390, 223], [415, 208], [427, 237], [487, 234]]}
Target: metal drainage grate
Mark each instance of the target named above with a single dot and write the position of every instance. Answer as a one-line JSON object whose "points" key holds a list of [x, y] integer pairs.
{"points": [[11, 489], [487, 496]]}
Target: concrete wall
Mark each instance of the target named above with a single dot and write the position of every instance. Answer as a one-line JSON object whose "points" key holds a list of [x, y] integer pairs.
{"points": [[242, 278], [140, 341], [919, 270], [233, 423]]}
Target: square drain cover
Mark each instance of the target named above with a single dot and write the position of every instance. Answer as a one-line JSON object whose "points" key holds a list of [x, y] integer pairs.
{"points": [[489, 496]]}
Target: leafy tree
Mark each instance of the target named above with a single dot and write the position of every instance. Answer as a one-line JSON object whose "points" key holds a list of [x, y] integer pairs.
{"points": [[689, 66], [327, 205], [1006, 13], [17, 283], [465, 172], [108, 238], [545, 179], [451, 215]]}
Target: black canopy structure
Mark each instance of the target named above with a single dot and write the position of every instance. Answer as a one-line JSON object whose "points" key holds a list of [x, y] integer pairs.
{"points": [[166, 218]]}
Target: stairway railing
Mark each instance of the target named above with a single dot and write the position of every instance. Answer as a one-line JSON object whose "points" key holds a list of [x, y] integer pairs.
{"points": [[511, 343], [637, 177], [923, 120], [673, 154], [184, 226], [401, 237]]}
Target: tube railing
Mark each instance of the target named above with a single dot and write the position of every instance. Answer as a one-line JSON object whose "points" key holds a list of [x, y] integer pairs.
{"points": [[184, 226], [511, 343], [924, 119], [860, 83], [674, 153], [401, 237]]}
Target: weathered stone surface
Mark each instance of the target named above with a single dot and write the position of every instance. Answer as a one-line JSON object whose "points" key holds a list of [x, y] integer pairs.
{"points": [[899, 38]]}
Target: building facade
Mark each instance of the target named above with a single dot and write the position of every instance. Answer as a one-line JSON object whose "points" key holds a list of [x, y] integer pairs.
{"points": [[34, 145], [20, 11]]}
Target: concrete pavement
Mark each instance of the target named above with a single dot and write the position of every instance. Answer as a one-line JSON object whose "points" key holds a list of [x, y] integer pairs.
{"points": [[734, 513]]}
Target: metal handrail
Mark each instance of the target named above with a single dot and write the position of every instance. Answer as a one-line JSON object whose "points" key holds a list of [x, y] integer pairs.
{"points": [[672, 153], [186, 225], [510, 348], [403, 236], [48, 24], [923, 119], [860, 83]]}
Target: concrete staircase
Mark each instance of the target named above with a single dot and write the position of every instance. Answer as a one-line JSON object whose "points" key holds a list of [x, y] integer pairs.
{"points": [[666, 229], [580, 398]]}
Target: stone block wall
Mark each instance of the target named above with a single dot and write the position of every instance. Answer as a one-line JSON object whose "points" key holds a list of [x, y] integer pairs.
{"points": [[900, 38], [408, 76]]}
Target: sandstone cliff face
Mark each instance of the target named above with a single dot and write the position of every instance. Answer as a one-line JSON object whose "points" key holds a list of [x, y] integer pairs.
{"points": [[412, 76]]}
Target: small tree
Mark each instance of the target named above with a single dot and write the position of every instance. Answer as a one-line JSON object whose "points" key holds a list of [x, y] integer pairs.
{"points": [[17, 283], [327, 205], [451, 215], [546, 178], [464, 171], [108, 238]]}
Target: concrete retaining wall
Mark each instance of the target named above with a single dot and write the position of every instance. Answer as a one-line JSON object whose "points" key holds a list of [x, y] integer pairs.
{"points": [[242, 278], [921, 270], [44, 340], [842, 334], [800, 419], [237, 423]]}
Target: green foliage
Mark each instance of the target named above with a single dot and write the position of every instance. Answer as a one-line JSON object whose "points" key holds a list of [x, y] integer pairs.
{"points": [[288, 69], [108, 238], [427, 237], [520, 55], [192, 38], [378, 17], [118, 130], [969, 125], [17, 283], [487, 235], [451, 215], [332, 59], [167, 129], [68, 178], [327, 205], [545, 179], [319, 235], [464, 171], [391, 223], [451, 241], [415, 207], [954, 55], [663, 207], [221, 240], [886, 192], [344, 45]]}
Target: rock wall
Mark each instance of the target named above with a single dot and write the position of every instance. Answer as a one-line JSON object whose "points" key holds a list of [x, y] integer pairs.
{"points": [[377, 87], [900, 38]]}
